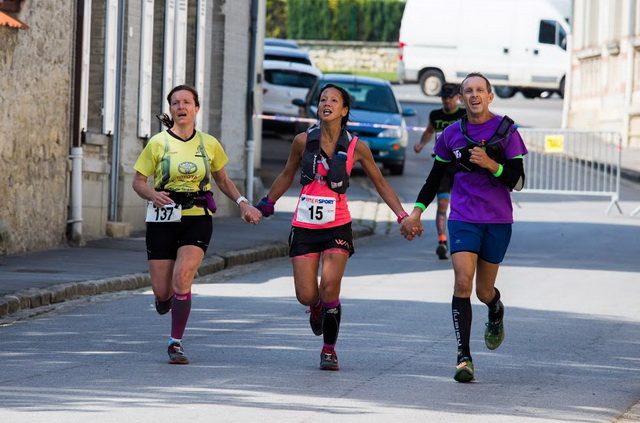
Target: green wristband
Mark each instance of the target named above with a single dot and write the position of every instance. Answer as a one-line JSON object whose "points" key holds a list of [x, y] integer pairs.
{"points": [[499, 172], [420, 205]]}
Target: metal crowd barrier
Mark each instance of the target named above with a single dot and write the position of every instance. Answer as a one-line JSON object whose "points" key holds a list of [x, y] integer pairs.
{"points": [[564, 161]]}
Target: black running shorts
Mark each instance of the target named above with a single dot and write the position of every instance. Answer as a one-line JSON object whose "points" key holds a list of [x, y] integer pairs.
{"points": [[304, 241], [164, 239]]}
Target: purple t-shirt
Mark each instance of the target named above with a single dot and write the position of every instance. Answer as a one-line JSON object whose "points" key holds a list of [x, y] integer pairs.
{"points": [[478, 197]]}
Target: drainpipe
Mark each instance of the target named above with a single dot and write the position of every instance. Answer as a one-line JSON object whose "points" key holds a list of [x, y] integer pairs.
{"points": [[80, 90], [250, 144], [568, 83], [628, 92], [115, 150]]}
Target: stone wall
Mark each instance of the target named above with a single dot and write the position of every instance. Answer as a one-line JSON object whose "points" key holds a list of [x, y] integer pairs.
{"points": [[35, 93], [352, 55]]}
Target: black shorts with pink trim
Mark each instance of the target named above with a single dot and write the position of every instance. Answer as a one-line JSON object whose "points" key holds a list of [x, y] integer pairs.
{"points": [[304, 241]]}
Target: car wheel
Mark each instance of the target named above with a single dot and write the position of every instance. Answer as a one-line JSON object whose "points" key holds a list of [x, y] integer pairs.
{"points": [[531, 93], [561, 90], [431, 82], [505, 92], [396, 169]]}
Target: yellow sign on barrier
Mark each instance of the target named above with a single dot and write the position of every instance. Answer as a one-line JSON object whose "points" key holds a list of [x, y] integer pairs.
{"points": [[554, 143]]}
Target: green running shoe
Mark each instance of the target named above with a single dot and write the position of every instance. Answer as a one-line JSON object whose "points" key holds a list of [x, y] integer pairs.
{"points": [[464, 370], [494, 333]]}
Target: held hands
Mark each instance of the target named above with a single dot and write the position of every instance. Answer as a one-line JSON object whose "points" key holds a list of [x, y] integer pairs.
{"points": [[411, 226], [266, 206], [250, 214]]}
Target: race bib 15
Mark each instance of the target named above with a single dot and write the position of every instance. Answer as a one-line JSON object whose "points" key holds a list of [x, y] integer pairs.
{"points": [[316, 210]]}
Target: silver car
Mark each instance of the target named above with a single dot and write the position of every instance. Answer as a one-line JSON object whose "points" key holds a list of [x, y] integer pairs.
{"points": [[284, 81]]}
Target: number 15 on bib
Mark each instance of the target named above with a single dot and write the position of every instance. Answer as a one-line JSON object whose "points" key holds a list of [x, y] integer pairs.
{"points": [[316, 210]]}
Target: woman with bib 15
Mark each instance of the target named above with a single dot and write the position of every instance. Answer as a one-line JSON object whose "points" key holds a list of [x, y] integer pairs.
{"points": [[324, 156]]}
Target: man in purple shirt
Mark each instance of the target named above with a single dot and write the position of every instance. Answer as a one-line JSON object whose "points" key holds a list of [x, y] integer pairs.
{"points": [[488, 153]]}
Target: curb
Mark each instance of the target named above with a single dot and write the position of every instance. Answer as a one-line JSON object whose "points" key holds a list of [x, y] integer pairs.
{"points": [[34, 298], [630, 175]]}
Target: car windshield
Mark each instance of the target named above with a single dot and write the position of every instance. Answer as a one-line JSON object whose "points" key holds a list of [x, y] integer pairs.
{"points": [[369, 97], [289, 78]]}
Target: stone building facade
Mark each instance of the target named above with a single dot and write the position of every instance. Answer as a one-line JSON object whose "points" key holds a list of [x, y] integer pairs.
{"points": [[604, 91], [35, 93], [48, 113]]}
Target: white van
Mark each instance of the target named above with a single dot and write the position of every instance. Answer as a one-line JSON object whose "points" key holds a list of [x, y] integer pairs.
{"points": [[516, 44]]}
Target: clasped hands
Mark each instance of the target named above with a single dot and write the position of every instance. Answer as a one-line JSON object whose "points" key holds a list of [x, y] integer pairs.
{"points": [[250, 214], [411, 226]]}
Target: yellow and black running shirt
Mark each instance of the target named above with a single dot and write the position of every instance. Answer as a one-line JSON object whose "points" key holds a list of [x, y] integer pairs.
{"points": [[182, 166]]}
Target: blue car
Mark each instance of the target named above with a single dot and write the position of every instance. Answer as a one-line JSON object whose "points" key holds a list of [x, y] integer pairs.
{"points": [[376, 116]]}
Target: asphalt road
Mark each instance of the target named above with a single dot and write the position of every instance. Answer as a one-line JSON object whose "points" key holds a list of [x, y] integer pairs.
{"points": [[569, 355], [569, 284]]}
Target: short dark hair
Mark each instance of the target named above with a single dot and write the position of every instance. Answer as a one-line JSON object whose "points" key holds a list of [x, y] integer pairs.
{"points": [[479, 75], [449, 90], [346, 100]]}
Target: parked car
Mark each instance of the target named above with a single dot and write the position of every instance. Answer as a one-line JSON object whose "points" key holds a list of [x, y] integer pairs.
{"points": [[280, 42], [375, 116], [287, 55], [283, 82]]}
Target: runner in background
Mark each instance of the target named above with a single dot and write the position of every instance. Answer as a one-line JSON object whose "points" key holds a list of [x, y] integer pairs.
{"points": [[439, 119]]}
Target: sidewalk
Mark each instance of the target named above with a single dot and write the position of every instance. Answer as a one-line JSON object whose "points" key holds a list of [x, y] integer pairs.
{"points": [[44, 278]]}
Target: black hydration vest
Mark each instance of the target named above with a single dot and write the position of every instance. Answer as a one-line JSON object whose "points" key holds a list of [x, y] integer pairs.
{"points": [[337, 178], [493, 150]]}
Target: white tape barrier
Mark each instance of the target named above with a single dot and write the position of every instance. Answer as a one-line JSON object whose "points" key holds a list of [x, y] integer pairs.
{"points": [[282, 118]]}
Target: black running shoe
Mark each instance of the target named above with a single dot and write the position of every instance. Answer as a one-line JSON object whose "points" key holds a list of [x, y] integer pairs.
{"points": [[442, 250], [163, 307], [176, 354], [315, 318], [329, 360]]}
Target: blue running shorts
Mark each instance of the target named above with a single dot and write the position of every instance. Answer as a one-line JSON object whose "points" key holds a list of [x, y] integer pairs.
{"points": [[488, 240]]}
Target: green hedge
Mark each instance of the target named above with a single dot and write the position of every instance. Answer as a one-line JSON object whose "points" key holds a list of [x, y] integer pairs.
{"points": [[335, 20]]}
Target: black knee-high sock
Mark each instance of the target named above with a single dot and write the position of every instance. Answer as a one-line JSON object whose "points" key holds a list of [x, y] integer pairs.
{"points": [[496, 312], [461, 312], [331, 322]]}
